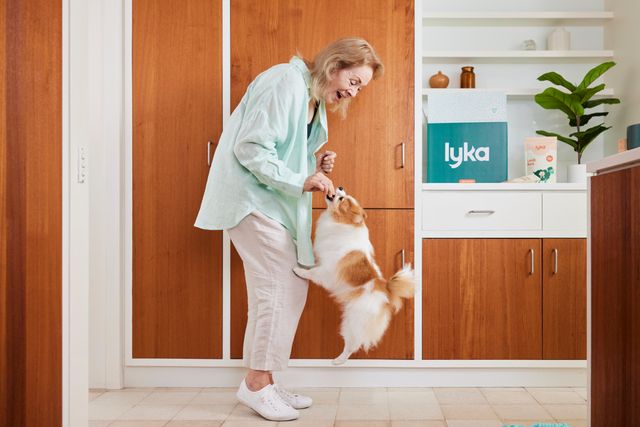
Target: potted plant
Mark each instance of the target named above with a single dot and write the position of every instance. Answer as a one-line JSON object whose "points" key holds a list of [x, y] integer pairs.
{"points": [[574, 104]]}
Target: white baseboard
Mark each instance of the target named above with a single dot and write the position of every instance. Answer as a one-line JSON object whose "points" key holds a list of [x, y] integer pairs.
{"points": [[143, 376]]}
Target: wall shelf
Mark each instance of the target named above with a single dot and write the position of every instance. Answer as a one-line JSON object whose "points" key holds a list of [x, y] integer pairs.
{"points": [[517, 54], [515, 92], [520, 18], [504, 186]]}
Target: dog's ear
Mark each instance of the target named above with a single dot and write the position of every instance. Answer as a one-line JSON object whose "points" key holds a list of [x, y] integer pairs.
{"points": [[357, 213]]}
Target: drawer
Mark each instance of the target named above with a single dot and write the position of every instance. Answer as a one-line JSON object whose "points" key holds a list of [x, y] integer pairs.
{"points": [[565, 212], [481, 210]]}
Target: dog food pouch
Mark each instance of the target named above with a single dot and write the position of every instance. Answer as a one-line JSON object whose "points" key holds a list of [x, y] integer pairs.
{"points": [[541, 155]]}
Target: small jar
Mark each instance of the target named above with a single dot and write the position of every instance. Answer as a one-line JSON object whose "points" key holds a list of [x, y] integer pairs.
{"points": [[467, 78]]}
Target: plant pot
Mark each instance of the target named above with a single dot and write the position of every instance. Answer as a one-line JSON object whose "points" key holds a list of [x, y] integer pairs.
{"points": [[577, 174]]}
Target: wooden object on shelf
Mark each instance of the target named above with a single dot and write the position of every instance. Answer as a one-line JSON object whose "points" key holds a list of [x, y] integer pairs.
{"points": [[467, 78], [439, 81]]}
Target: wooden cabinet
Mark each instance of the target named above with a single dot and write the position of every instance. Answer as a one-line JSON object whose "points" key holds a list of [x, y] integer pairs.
{"points": [[177, 108], [380, 122], [374, 143], [500, 299], [615, 294], [318, 332], [481, 299], [564, 291], [31, 213]]}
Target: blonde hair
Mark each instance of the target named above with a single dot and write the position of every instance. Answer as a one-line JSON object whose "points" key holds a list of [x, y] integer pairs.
{"points": [[342, 53]]}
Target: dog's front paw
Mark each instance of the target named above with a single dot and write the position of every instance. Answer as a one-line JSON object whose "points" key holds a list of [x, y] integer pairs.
{"points": [[301, 272]]}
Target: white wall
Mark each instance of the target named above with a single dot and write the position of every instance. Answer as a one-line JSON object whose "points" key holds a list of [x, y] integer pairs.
{"points": [[623, 34]]}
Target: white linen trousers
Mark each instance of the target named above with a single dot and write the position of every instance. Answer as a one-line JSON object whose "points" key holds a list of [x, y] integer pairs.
{"points": [[275, 295]]}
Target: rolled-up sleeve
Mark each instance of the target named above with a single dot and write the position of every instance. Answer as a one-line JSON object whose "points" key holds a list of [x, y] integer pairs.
{"points": [[269, 119]]}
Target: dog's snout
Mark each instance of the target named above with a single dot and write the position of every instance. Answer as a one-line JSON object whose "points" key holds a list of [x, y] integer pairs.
{"points": [[340, 188], [330, 198]]}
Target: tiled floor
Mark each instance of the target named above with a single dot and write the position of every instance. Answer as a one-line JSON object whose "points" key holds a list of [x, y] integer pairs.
{"points": [[346, 407]]}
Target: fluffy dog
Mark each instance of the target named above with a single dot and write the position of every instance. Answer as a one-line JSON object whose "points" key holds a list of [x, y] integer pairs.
{"points": [[346, 268]]}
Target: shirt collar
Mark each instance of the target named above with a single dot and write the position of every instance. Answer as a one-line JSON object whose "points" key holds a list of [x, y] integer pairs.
{"points": [[299, 63]]}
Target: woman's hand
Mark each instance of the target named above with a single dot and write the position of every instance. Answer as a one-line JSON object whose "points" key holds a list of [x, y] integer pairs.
{"points": [[319, 182], [325, 161]]}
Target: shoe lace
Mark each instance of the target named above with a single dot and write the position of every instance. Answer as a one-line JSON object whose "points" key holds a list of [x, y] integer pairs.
{"points": [[286, 393], [270, 399]]}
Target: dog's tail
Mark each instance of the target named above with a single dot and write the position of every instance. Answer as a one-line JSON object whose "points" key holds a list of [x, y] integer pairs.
{"points": [[401, 285]]}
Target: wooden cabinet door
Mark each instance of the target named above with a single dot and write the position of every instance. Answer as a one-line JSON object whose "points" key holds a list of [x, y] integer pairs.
{"points": [[31, 218], [318, 335], [564, 290], [481, 299], [369, 142], [177, 108], [615, 298]]}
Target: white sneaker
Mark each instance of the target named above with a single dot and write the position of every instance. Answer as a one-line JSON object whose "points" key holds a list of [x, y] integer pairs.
{"points": [[297, 401], [266, 402]]}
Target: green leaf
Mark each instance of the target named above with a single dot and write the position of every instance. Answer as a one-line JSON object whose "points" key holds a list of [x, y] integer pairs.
{"points": [[585, 119], [586, 137], [554, 99], [557, 79], [564, 139], [593, 74], [587, 94], [596, 102]]}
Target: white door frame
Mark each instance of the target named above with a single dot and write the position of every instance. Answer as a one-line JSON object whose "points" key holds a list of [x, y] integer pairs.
{"points": [[75, 218]]}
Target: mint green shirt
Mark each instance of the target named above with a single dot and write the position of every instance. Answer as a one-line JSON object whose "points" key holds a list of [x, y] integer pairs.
{"points": [[264, 156]]}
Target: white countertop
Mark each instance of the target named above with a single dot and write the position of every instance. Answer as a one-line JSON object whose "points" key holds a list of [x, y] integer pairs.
{"points": [[616, 161], [502, 186]]}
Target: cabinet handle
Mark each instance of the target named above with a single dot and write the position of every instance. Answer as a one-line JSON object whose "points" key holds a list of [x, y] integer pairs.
{"points": [[555, 261], [533, 262], [481, 212], [402, 149], [402, 258]]}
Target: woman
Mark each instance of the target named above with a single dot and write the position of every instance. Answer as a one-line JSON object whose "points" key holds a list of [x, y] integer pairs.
{"points": [[259, 189]]}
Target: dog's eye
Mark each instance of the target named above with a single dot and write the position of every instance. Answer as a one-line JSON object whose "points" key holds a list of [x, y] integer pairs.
{"points": [[341, 198]]}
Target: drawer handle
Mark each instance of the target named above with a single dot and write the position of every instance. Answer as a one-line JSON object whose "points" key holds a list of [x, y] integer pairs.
{"points": [[481, 212], [209, 143], [402, 150], [533, 263], [555, 261]]}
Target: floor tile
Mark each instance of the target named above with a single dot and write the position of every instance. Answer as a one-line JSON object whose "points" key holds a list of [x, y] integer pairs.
{"points": [[94, 394], [508, 397], [362, 412], [151, 412], [102, 423], [191, 423], [169, 398], [358, 396], [306, 423], [418, 423], [244, 423], [582, 392], [100, 411], [215, 397], [243, 413], [321, 397], [521, 412], [204, 412], [474, 423], [319, 412], [414, 411], [362, 423], [460, 396], [567, 412], [418, 397], [468, 412], [145, 423], [121, 397], [555, 396], [574, 423], [527, 423]]}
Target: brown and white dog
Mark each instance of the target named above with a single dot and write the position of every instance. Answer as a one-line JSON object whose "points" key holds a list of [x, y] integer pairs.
{"points": [[346, 268]]}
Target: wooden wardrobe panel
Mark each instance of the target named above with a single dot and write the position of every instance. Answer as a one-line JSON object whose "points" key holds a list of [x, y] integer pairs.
{"points": [[177, 108], [564, 293], [368, 142], [615, 298], [31, 210], [318, 331], [479, 299]]}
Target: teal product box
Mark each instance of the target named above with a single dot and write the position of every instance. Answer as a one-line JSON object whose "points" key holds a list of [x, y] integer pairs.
{"points": [[466, 136]]}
